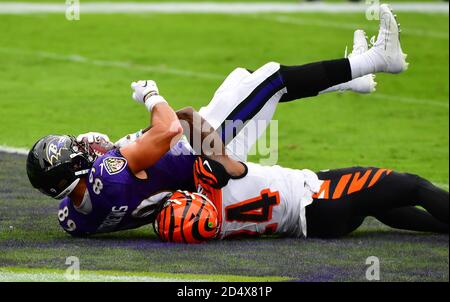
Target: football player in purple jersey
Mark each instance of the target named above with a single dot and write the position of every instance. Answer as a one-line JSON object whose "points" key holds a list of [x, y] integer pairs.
{"points": [[123, 188], [103, 194]]}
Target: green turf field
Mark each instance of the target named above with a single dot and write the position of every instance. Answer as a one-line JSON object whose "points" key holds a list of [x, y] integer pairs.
{"points": [[73, 77]]}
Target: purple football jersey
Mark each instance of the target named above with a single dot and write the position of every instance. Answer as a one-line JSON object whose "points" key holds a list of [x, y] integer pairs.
{"points": [[117, 200]]}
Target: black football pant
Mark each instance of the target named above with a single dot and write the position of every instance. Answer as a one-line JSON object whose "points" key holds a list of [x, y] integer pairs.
{"points": [[308, 80], [349, 195]]}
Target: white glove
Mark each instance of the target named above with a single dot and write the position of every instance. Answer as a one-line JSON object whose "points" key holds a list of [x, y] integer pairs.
{"points": [[93, 137], [144, 89], [147, 93]]}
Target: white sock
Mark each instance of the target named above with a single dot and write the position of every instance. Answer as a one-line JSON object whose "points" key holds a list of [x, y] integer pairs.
{"points": [[366, 63]]}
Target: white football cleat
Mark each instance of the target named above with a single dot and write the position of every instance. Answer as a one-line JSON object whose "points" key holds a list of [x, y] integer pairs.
{"points": [[360, 44], [364, 84], [387, 52]]}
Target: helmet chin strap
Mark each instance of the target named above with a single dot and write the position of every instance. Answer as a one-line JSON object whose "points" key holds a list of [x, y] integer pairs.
{"points": [[69, 189], [82, 172]]}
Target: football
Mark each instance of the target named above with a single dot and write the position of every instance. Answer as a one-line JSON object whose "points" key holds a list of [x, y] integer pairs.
{"points": [[100, 146]]}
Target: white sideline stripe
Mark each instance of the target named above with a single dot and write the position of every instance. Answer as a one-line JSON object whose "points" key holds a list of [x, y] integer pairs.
{"points": [[23, 151], [12, 150], [350, 26], [87, 277], [213, 7]]}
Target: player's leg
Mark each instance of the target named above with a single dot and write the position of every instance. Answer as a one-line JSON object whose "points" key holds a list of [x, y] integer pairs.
{"points": [[395, 190], [385, 56], [310, 79], [244, 96], [412, 218], [364, 84], [348, 195], [434, 199], [246, 136], [244, 105], [248, 96], [225, 99], [409, 190], [249, 119], [254, 95]]}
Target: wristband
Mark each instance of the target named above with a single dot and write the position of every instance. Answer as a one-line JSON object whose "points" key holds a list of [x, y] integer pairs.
{"points": [[153, 100]]}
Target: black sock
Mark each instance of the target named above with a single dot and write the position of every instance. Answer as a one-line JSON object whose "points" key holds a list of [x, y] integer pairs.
{"points": [[308, 80]]}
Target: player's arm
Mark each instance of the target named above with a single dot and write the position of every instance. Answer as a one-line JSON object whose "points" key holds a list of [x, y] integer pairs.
{"points": [[206, 141], [165, 129], [182, 114], [132, 137]]}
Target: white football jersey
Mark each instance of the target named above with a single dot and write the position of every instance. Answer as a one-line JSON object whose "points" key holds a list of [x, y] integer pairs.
{"points": [[268, 200]]}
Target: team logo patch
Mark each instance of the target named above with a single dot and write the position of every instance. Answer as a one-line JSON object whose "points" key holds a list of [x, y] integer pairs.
{"points": [[54, 149], [114, 165]]}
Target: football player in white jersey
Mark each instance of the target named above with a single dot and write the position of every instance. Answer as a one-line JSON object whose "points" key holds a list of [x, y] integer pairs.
{"points": [[279, 201], [300, 203]]}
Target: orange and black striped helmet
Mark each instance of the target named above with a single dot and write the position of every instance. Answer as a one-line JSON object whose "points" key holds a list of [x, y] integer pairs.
{"points": [[187, 218]]}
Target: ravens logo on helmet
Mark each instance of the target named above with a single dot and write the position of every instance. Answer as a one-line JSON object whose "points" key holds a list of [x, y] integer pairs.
{"points": [[187, 218]]}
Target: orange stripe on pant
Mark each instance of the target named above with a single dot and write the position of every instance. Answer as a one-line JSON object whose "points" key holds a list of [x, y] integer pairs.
{"points": [[358, 183], [341, 185]]}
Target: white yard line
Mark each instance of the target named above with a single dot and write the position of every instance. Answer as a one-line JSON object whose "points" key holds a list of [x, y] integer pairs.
{"points": [[410, 100], [212, 7], [116, 64]]}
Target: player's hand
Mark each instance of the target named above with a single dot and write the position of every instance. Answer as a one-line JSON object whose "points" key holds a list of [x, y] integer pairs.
{"points": [[142, 90], [210, 172], [147, 93], [92, 137]]}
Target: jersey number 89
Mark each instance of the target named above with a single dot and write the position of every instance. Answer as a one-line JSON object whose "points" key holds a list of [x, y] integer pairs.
{"points": [[62, 215]]}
